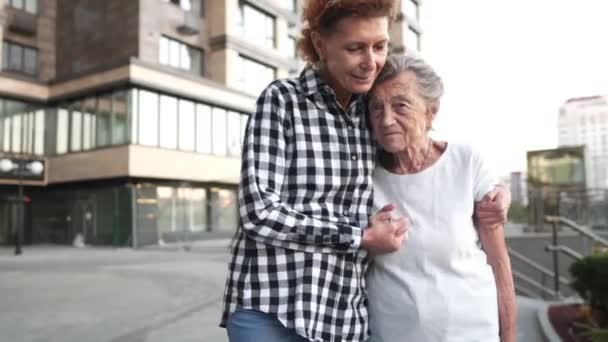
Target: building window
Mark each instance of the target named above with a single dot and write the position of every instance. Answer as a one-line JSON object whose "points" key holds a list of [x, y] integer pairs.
{"points": [[148, 118], [168, 122], [186, 5], [410, 8], [19, 58], [412, 39], [254, 76], [223, 210], [203, 129], [179, 55], [30, 6], [291, 5], [187, 127], [256, 26], [220, 139], [291, 47]]}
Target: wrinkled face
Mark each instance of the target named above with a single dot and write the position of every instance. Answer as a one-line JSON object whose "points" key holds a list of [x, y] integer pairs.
{"points": [[354, 53], [399, 116]]}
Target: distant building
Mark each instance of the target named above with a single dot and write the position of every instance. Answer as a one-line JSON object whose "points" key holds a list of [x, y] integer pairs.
{"points": [[137, 108], [519, 189], [584, 121]]}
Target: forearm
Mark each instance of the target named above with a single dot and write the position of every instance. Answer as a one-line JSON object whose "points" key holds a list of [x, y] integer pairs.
{"points": [[507, 309], [494, 244], [277, 225]]}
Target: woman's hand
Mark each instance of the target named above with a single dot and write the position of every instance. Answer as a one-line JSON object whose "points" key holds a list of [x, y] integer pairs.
{"points": [[492, 211], [385, 233]]}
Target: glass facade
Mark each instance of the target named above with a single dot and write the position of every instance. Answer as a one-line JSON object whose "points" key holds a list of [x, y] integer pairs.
{"points": [[119, 117], [166, 213], [21, 127], [256, 25], [168, 122]]}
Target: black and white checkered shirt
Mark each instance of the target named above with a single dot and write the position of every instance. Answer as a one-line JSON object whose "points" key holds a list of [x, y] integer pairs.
{"points": [[305, 196]]}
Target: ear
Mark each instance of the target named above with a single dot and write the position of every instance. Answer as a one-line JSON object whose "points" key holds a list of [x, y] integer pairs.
{"points": [[431, 113], [318, 43]]}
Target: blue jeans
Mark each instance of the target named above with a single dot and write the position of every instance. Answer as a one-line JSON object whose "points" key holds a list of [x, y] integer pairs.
{"points": [[254, 326]]}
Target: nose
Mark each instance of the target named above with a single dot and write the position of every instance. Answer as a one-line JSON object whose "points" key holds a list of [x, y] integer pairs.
{"points": [[368, 60], [387, 118]]}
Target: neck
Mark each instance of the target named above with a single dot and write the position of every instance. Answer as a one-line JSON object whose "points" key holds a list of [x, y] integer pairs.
{"points": [[343, 97], [413, 159]]}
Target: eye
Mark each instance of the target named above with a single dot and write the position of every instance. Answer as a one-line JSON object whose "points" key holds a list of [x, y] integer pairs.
{"points": [[400, 106], [353, 48], [380, 47]]}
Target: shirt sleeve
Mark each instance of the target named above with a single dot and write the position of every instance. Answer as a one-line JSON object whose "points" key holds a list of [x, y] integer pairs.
{"points": [[484, 178], [264, 215]]}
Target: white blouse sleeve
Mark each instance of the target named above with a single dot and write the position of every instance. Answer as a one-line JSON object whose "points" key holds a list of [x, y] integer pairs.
{"points": [[484, 177]]}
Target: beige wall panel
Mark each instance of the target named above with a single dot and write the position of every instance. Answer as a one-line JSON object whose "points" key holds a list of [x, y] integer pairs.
{"points": [[106, 163], [178, 165]]}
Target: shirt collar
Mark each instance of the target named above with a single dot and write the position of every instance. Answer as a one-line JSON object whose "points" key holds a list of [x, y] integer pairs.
{"points": [[310, 82]]}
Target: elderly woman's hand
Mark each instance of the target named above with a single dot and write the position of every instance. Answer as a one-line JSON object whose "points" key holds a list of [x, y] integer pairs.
{"points": [[385, 232], [491, 211]]}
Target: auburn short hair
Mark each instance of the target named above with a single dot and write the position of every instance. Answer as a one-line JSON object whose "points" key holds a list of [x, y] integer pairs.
{"points": [[322, 16]]}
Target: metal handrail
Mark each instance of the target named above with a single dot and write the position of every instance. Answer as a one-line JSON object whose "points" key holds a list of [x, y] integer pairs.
{"points": [[564, 250], [581, 229], [535, 284], [540, 268], [526, 291]]}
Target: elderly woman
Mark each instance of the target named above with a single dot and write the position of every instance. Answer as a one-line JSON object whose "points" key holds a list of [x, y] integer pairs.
{"points": [[442, 285]]}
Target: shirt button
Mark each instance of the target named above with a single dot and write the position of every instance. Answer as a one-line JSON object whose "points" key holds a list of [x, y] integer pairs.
{"points": [[350, 128], [346, 213], [354, 157]]}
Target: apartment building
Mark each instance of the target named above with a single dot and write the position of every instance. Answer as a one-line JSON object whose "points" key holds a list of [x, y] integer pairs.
{"points": [[136, 110]]}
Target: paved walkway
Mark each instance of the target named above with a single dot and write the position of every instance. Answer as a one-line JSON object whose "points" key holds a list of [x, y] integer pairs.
{"points": [[67, 294]]}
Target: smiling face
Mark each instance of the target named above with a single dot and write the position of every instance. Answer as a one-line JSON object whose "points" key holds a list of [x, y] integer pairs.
{"points": [[399, 116], [353, 53]]}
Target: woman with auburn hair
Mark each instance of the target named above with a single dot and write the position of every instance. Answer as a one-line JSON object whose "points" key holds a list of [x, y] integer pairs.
{"points": [[306, 226]]}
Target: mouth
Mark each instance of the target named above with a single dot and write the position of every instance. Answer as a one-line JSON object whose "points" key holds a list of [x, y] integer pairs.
{"points": [[363, 79]]}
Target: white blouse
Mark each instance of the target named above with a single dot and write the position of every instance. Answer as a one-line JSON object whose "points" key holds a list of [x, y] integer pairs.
{"points": [[438, 286]]}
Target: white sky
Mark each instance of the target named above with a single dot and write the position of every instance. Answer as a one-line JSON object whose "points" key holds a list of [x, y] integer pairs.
{"points": [[508, 65]]}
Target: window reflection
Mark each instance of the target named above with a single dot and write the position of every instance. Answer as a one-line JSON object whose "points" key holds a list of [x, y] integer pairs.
{"points": [[410, 8], [62, 130], [120, 116], [110, 119], [104, 120], [179, 55], [219, 131], [89, 109], [223, 203], [168, 122], [254, 76], [234, 134], [148, 112], [76, 129], [412, 39], [186, 125], [256, 26], [203, 129]]}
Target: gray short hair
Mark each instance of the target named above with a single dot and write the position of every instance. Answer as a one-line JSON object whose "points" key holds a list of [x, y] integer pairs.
{"points": [[430, 85]]}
